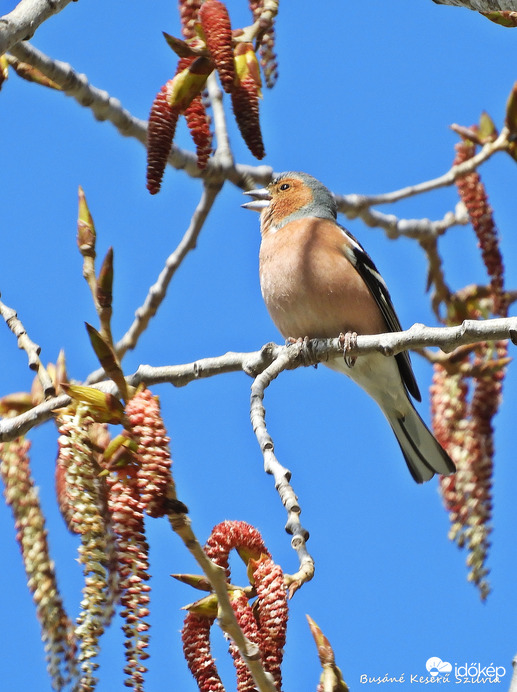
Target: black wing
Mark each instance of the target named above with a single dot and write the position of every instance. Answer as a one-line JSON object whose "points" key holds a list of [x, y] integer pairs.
{"points": [[369, 273]]}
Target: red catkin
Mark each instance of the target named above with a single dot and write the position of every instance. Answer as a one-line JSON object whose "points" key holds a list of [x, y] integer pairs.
{"points": [[199, 126], [245, 104], [217, 28], [162, 126]]}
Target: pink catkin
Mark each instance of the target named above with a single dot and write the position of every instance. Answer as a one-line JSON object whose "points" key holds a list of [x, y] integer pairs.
{"points": [[248, 625], [449, 410], [21, 495], [268, 58], [195, 636], [133, 569], [189, 10], [465, 430], [272, 615], [154, 477], [233, 534], [63, 500], [265, 625], [473, 194]]}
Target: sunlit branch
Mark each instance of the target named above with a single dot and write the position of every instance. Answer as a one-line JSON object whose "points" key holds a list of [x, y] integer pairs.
{"points": [[10, 428], [448, 178], [481, 5], [223, 153], [31, 349], [435, 273], [21, 23], [272, 466], [106, 107], [315, 351], [353, 208], [319, 350], [269, 10]]}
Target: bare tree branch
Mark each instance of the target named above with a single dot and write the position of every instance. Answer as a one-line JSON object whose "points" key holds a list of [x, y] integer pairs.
{"points": [[272, 466], [103, 106], [490, 148], [31, 349], [269, 10], [353, 206], [180, 375], [21, 23], [223, 151], [32, 418], [481, 5], [315, 351], [319, 350]]}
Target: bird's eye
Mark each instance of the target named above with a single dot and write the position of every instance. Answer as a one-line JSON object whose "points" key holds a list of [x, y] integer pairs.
{"points": [[285, 186]]}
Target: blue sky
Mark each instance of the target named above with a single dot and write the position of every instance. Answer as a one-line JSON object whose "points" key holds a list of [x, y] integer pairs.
{"points": [[364, 101]]}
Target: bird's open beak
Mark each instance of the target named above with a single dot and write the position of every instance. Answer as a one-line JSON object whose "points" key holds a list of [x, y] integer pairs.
{"points": [[261, 199]]}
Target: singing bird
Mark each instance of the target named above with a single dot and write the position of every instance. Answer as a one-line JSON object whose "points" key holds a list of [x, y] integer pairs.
{"points": [[318, 282]]}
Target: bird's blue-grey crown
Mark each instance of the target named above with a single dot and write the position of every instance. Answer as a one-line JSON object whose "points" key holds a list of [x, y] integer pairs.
{"points": [[323, 204]]}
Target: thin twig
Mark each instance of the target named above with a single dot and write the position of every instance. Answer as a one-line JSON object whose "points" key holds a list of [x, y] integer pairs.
{"points": [[21, 23], [481, 5], [448, 178], [395, 227], [435, 274], [223, 152], [180, 375], [272, 466], [31, 349], [11, 428], [226, 616], [269, 10], [158, 290]]}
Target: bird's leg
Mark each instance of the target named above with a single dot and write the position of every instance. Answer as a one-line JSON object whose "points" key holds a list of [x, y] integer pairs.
{"points": [[348, 341], [305, 350]]}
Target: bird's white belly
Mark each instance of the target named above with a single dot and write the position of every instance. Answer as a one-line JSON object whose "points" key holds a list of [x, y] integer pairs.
{"points": [[379, 376]]}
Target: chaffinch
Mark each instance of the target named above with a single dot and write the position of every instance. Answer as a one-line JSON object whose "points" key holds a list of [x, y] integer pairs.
{"points": [[317, 281]]}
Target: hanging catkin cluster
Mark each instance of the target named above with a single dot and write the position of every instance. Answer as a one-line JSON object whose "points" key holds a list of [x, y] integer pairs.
{"points": [[463, 425], [211, 45], [264, 623]]}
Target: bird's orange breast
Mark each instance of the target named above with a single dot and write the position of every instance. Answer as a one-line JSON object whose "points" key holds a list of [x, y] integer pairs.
{"points": [[310, 287]]}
